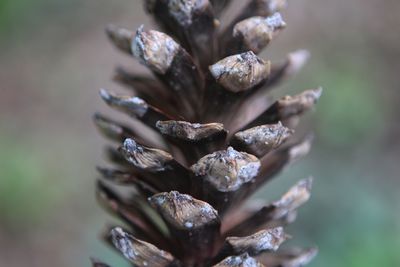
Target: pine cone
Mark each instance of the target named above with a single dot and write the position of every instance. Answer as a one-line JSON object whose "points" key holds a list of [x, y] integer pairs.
{"points": [[208, 137]]}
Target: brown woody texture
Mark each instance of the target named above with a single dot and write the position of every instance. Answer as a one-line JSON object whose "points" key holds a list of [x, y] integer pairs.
{"points": [[181, 192]]}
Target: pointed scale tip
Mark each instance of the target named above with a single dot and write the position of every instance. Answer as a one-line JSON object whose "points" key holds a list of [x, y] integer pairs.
{"points": [[301, 149], [307, 183], [195, 224], [120, 37], [279, 212], [104, 95], [97, 263], [145, 158], [296, 196], [318, 92], [131, 146], [138, 252], [275, 21], [296, 60], [290, 106], [133, 106], [310, 97]]}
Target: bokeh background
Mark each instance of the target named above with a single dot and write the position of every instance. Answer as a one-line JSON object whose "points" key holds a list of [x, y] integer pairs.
{"points": [[54, 57]]}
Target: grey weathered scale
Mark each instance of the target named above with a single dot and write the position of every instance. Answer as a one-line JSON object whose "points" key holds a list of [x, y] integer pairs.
{"points": [[223, 177], [253, 34], [194, 224], [294, 198], [145, 158], [158, 165], [195, 139], [190, 131], [262, 139], [240, 72], [227, 170], [287, 107], [253, 8], [134, 106], [265, 240], [138, 252], [232, 78], [154, 49], [171, 64]]}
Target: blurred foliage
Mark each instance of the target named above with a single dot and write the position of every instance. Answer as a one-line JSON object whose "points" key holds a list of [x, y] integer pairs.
{"points": [[13, 10], [23, 199], [351, 220], [350, 109]]}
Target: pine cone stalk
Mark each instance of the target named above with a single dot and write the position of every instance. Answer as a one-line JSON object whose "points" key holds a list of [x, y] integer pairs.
{"points": [[183, 194]]}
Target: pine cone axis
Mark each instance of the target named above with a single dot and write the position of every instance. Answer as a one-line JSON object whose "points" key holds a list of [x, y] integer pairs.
{"points": [[206, 137]]}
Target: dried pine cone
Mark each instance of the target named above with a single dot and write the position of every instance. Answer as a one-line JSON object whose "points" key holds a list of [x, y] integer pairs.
{"points": [[220, 138]]}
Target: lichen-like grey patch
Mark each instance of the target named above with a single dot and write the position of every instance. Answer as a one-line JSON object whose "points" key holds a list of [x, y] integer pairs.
{"points": [[182, 11], [275, 21], [123, 243], [138, 252]]}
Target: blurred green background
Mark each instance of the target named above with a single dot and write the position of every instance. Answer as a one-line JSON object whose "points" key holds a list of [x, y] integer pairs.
{"points": [[54, 57]]}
